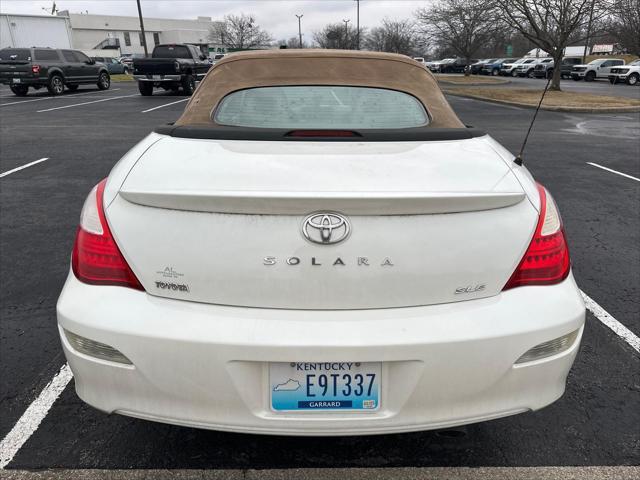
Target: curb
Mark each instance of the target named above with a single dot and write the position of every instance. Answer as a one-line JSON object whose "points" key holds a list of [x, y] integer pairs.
{"points": [[476, 84], [551, 108]]}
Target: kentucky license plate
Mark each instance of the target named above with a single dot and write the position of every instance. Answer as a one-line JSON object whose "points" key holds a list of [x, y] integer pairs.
{"points": [[304, 386]]}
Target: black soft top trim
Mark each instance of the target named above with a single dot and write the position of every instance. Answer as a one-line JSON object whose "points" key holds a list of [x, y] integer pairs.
{"points": [[417, 134]]}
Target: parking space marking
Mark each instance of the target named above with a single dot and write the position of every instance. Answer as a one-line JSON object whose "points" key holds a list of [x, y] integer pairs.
{"points": [[606, 318], [33, 416], [165, 105], [60, 97], [17, 169], [614, 171], [353, 473], [86, 103]]}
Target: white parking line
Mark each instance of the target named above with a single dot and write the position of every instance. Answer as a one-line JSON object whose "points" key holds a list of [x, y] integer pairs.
{"points": [[33, 416], [614, 171], [17, 169], [85, 103], [59, 97], [165, 105], [618, 328]]}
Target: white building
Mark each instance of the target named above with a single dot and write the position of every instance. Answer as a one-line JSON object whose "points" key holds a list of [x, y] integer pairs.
{"points": [[96, 32], [17, 30]]}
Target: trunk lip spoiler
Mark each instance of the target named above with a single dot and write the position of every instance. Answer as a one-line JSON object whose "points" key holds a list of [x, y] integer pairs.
{"points": [[301, 203], [415, 134]]}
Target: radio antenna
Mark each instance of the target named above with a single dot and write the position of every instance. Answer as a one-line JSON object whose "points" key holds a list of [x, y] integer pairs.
{"points": [[519, 160]]}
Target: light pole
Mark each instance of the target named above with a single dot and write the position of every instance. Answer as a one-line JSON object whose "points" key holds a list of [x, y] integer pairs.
{"points": [[357, 24], [346, 31], [144, 37], [584, 52], [300, 28]]}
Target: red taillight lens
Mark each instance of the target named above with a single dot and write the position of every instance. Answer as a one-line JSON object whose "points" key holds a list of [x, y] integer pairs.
{"points": [[35, 69], [96, 259], [546, 261]]}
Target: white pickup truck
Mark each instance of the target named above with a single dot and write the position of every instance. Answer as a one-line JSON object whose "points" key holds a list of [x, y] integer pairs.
{"points": [[629, 73], [600, 68]]}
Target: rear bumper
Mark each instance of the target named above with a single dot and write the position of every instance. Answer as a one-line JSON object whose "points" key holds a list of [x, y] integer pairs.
{"points": [[26, 81], [207, 366], [163, 78]]}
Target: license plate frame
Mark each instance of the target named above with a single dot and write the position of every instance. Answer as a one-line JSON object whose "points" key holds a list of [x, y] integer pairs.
{"points": [[157, 77], [16, 80], [346, 386]]}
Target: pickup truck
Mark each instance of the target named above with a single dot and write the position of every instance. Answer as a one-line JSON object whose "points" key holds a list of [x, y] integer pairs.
{"points": [[629, 73], [170, 67], [599, 68]]}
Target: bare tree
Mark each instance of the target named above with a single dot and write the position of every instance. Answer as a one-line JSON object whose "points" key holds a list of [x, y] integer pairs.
{"points": [[239, 32], [463, 26], [624, 24], [396, 36], [552, 25], [338, 35]]}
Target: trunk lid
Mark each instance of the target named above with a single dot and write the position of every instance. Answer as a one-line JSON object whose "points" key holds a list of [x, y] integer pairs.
{"points": [[224, 222]]}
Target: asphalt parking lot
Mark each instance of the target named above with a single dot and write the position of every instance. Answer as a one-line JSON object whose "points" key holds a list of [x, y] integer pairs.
{"points": [[82, 135]]}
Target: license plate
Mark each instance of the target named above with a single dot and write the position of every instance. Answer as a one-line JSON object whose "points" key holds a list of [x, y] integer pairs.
{"points": [[156, 77], [340, 386], [15, 80]]}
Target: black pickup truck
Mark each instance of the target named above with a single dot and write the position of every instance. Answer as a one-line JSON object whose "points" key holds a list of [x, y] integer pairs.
{"points": [[170, 67]]}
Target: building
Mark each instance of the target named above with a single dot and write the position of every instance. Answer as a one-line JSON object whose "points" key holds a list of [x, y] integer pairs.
{"points": [[112, 32], [608, 49], [24, 31]]}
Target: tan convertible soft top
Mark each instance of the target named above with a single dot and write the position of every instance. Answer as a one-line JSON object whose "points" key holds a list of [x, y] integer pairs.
{"points": [[262, 68]]}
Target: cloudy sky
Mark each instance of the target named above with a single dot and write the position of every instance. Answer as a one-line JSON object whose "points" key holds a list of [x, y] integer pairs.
{"points": [[277, 16]]}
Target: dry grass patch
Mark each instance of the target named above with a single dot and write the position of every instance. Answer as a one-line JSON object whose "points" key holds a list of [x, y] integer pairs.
{"points": [[120, 77], [530, 97], [472, 79]]}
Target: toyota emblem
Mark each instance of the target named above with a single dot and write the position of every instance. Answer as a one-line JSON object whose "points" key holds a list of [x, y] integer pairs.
{"points": [[326, 228]]}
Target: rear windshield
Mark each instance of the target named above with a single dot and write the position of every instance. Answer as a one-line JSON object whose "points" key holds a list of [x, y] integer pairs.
{"points": [[15, 55], [171, 51], [321, 107]]}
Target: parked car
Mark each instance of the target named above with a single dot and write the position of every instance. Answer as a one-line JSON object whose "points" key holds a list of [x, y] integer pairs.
{"points": [[543, 68], [420, 60], [171, 67], [509, 69], [455, 65], [567, 65], [493, 67], [435, 66], [127, 59], [54, 69], [599, 68], [217, 57], [114, 66], [226, 276], [630, 73], [525, 69], [475, 67]]}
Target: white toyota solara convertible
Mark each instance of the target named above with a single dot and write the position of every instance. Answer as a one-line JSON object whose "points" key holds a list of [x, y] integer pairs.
{"points": [[319, 246]]}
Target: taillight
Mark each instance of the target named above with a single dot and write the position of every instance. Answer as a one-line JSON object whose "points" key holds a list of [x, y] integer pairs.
{"points": [[322, 133], [96, 259], [546, 261], [35, 69]]}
